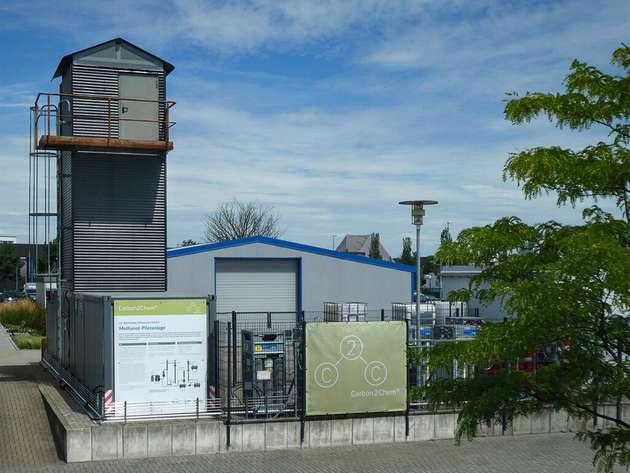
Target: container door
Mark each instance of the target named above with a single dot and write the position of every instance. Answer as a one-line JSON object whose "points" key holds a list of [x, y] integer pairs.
{"points": [[138, 120]]}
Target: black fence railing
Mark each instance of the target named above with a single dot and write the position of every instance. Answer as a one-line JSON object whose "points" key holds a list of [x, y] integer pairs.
{"points": [[256, 366], [257, 363]]}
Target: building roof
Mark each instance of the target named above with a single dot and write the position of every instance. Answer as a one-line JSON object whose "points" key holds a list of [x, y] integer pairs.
{"points": [[459, 270], [360, 244], [67, 59], [206, 247]]}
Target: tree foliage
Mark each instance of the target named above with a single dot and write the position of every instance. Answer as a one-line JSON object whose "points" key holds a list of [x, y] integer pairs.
{"points": [[8, 261], [407, 256], [375, 246], [188, 242], [445, 234], [566, 289], [233, 220]]}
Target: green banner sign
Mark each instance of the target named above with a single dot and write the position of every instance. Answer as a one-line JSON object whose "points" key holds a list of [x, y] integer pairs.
{"points": [[356, 367], [159, 307]]}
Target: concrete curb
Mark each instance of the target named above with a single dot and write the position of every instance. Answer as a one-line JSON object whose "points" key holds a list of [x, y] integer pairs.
{"points": [[81, 439]]}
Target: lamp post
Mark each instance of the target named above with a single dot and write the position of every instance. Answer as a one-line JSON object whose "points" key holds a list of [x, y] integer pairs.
{"points": [[417, 214]]}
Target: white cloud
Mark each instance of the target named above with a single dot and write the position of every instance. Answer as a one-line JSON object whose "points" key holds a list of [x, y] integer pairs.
{"points": [[329, 172], [519, 34], [406, 103]]}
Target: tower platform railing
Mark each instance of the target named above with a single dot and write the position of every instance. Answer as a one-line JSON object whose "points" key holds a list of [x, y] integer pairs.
{"points": [[64, 121]]}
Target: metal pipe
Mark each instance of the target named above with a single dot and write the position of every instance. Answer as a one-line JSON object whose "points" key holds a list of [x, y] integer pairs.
{"points": [[408, 368], [418, 275], [302, 380], [59, 328], [30, 191], [35, 126]]}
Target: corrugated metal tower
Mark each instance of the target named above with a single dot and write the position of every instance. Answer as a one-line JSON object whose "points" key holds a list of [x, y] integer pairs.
{"points": [[109, 124], [107, 129]]}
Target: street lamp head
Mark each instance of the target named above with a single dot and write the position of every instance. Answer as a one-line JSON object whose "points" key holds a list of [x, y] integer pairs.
{"points": [[417, 209]]}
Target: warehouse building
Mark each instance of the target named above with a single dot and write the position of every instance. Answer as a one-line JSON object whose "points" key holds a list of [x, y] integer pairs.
{"points": [[261, 274], [457, 277]]}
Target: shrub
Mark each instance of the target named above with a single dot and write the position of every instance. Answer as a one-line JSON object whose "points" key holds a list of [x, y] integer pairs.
{"points": [[25, 311], [27, 342]]}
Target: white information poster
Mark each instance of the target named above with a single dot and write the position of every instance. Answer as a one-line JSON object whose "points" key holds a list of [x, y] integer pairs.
{"points": [[160, 353]]}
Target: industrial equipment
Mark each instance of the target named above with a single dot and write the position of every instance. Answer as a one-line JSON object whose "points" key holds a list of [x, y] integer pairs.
{"points": [[264, 363], [345, 311]]}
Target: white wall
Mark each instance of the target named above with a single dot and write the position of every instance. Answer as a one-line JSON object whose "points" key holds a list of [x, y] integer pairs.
{"points": [[459, 277]]}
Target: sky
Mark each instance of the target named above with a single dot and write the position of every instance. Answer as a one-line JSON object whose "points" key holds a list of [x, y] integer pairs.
{"points": [[331, 112]]}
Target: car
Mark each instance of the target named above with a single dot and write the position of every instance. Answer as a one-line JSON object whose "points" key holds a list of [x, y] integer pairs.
{"points": [[30, 289], [12, 296], [423, 297]]}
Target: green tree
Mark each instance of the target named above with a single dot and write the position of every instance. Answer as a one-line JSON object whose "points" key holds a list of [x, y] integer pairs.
{"points": [[445, 235], [566, 289], [407, 256], [8, 261], [375, 246]]}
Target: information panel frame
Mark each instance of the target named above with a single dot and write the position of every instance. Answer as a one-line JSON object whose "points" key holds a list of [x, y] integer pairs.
{"points": [[160, 352], [356, 367]]}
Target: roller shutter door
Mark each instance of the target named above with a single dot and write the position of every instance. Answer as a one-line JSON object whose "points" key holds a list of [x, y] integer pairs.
{"points": [[256, 285]]}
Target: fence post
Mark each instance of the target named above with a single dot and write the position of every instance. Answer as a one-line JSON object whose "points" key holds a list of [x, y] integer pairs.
{"points": [[619, 405], [234, 372], [382, 315], [303, 379], [125, 412], [229, 386], [217, 364], [408, 371]]}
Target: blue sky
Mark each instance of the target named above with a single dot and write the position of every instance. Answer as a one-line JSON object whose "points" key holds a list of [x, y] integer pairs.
{"points": [[329, 111]]}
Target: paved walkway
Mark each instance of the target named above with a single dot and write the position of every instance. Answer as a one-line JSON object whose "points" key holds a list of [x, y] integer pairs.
{"points": [[6, 343], [549, 453], [25, 435], [26, 445]]}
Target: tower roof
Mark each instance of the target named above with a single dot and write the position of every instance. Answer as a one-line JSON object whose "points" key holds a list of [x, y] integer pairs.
{"points": [[116, 52]]}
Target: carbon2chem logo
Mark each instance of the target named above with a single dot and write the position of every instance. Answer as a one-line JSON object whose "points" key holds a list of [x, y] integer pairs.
{"points": [[351, 350]]}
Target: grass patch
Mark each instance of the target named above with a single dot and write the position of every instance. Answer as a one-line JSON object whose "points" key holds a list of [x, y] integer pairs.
{"points": [[25, 315], [27, 341]]}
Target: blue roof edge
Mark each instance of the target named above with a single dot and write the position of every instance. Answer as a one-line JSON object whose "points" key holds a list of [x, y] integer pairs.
{"points": [[204, 247]]}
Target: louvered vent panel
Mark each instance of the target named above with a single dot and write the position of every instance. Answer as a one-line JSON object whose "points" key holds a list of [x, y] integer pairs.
{"points": [[119, 222], [90, 117]]}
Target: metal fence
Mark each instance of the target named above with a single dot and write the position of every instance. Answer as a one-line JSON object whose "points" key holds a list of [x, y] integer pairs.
{"points": [[256, 367], [90, 400], [257, 363]]}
